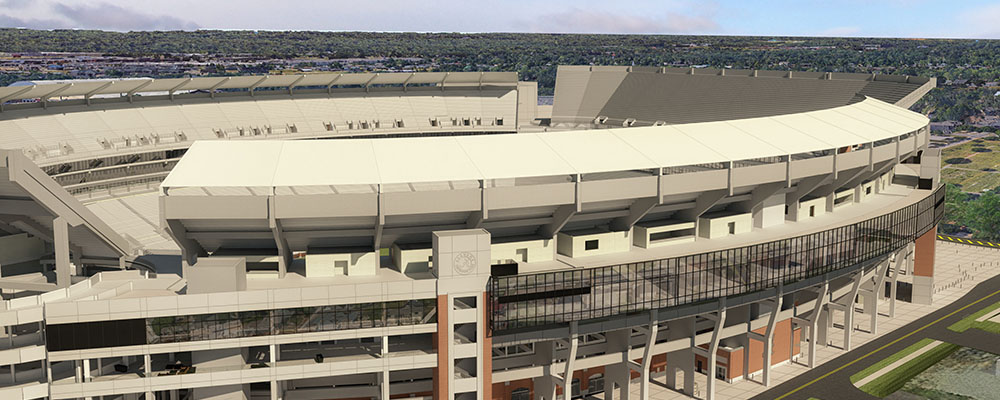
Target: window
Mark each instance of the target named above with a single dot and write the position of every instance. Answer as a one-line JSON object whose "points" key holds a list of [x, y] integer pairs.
{"points": [[523, 254], [591, 244], [499, 121], [595, 384], [868, 190], [520, 394], [575, 387], [720, 372], [340, 267], [732, 228], [812, 211]]}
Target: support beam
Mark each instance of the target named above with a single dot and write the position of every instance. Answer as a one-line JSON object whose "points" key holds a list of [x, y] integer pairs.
{"points": [[60, 234], [171, 91], [211, 90], [574, 345], [772, 322], [847, 303], [190, 248], [284, 252], [89, 94], [136, 89], [254, 86], [291, 86], [647, 355], [821, 300], [713, 348], [636, 211], [559, 219], [804, 187]]}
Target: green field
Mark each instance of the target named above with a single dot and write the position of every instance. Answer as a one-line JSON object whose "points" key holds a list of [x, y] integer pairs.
{"points": [[970, 321], [893, 380], [978, 168], [889, 360]]}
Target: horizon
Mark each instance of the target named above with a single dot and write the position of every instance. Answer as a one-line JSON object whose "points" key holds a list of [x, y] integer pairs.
{"points": [[892, 19]]}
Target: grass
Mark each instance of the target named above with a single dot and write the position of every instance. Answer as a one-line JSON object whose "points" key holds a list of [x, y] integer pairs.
{"points": [[971, 181], [889, 360], [970, 321], [971, 176], [893, 380]]}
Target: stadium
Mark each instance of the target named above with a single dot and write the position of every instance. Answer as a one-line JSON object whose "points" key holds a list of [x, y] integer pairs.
{"points": [[442, 235]]}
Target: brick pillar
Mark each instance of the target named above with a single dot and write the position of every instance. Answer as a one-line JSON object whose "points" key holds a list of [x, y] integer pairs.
{"points": [[440, 339], [487, 357], [923, 267]]}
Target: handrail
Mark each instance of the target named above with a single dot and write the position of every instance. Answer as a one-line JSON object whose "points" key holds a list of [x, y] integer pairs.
{"points": [[556, 297]]}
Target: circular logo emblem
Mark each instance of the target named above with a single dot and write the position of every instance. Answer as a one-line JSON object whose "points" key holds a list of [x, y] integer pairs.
{"points": [[465, 263]]}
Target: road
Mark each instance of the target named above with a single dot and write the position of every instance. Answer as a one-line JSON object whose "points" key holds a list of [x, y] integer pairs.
{"points": [[832, 380]]}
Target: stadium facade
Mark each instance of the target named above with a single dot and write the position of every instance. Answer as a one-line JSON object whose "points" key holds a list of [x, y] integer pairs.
{"points": [[440, 235]]}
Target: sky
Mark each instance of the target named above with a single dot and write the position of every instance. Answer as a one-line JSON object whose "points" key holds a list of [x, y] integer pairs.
{"points": [[978, 19]]}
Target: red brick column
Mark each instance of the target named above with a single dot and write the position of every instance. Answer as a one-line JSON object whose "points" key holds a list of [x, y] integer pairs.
{"points": [[923, 261], [440, 339], [487, 352]]}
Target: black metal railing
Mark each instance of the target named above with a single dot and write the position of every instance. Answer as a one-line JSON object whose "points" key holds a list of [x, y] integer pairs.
{"points": [[547, 298]]}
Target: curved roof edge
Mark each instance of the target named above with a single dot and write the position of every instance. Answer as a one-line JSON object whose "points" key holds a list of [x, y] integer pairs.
{"points": [[439, 159]]}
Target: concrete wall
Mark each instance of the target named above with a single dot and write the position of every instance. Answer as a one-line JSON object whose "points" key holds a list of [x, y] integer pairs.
{"points": [[817, 206], [683, 232], [227, 358], [352, 263], [19, 248], [716, 226], [535, 250], [411, 260], [574, 244]]}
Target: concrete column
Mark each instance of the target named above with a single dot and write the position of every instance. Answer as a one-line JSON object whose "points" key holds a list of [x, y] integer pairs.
{"points": [[769, 340], [620, 373], [273, 363], [816, 318], [894, 285], [78, 366], [384, 375], [849, 310], [682, 360], [713, 349], [86, 370], [60, 239], [545, 388], [647, 357], [147, 363]]}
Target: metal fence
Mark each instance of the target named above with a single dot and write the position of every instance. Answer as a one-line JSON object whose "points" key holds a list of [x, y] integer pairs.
{"points": [[547, 298]]}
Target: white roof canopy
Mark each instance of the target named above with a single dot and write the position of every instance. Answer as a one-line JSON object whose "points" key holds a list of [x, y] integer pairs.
{"points": [[456, 158], [146, 85]]}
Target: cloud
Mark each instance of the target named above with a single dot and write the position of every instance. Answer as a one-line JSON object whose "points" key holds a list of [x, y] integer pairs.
{"points": [[840, 31], [588, 21], [15, 4], [96, 16], [979, 22], [7, 21]]}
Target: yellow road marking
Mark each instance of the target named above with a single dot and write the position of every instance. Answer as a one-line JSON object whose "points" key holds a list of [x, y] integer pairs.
{"points": [[886, 345]]}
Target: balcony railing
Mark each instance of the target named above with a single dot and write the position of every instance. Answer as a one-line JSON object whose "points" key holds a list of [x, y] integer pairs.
{"points": [[550, 298]]}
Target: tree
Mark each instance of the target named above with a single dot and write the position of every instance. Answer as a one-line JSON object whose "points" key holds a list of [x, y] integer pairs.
{"points": [[984, 216], [955, 209]]}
